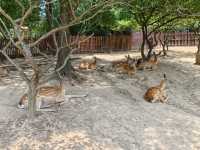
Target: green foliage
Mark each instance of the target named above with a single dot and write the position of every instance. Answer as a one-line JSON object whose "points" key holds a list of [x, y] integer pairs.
{"points": [[132, 15], [15, 12]]}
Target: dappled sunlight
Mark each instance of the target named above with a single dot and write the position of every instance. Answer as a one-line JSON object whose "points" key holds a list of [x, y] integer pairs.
{"points": [[71, 140], [189, 60]]}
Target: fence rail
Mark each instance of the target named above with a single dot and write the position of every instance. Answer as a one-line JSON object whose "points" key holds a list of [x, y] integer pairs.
{"points": [[95, 44], [174, 39], [182, 39], [101, 44]]}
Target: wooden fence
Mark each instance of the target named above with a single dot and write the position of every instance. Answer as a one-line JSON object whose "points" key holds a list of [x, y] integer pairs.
{"points": [[95, 44], [101, 44], [175, 39], [182, 39], [13, 51]]}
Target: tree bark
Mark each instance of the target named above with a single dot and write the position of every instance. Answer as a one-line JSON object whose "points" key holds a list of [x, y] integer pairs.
{"points": [[32, 100], [146, 39], [49, 13], [163, 43], [151, 44], [144, 34], [32, 93], [198, 53], [65, 16]]}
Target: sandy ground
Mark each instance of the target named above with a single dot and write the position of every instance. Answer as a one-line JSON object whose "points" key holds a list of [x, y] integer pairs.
{"points": [[114, 115]]}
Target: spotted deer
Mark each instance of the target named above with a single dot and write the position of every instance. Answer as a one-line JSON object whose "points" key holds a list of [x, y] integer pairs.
{"points": [[55, 93], [151, 63], [127, 67], [119, 62], [157, 93], [85, 65]]}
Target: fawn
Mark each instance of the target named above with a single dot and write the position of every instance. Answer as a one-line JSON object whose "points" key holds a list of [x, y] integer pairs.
{"points": [[157, 93], [151, 63], [84, 65], [56, 92]]}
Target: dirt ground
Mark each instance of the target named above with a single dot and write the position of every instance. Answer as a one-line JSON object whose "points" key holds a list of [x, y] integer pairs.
{"points": [[114, 115]]}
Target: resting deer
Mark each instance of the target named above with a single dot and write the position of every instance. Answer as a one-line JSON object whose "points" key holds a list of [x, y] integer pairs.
{"points": [[55, 92], [127, 67], [151, 63], [84, 65], [157, 93], [118, 62]]}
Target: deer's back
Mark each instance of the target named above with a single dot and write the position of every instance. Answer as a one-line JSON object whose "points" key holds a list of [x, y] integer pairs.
{"points": [[152, 93], [51, 91]]}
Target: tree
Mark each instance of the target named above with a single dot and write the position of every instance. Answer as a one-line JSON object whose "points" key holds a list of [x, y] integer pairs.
{"points": [[69, 11], [14, 27], [195, 27], [151, 16]]}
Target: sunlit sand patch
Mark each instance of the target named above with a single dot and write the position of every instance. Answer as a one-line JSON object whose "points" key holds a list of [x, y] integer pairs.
{"points": [[77, 140]]}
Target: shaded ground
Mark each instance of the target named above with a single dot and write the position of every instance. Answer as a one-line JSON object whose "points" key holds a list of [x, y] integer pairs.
{"points": [[114, 115]]}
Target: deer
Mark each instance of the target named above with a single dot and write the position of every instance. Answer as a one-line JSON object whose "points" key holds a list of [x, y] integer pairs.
{"points": [[122, 61], [128, 66], [85, 65], [151, 63], [157, 93], [56, 92]]}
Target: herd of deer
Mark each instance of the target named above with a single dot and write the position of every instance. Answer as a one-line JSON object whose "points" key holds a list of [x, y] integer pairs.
{"points": [[127, 66]]}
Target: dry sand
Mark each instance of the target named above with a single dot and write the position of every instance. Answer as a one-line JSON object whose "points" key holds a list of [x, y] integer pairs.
{"points": [[114, 115]]}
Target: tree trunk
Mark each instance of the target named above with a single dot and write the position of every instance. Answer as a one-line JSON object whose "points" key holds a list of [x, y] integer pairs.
{"points": [[164, 51], [166, 41], [151, 44], [32, 93], [32, 100], [65, 16], [150, 47], [144, 35], [49, 13], [62, 55], [198, 53], [164, 45], [148, 41]]}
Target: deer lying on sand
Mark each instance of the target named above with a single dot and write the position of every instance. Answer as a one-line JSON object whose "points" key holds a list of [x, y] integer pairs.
{"points": [[56, 93], [157, 93], [151, 63], [48, 97], [85, 65], [127, 67]]}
